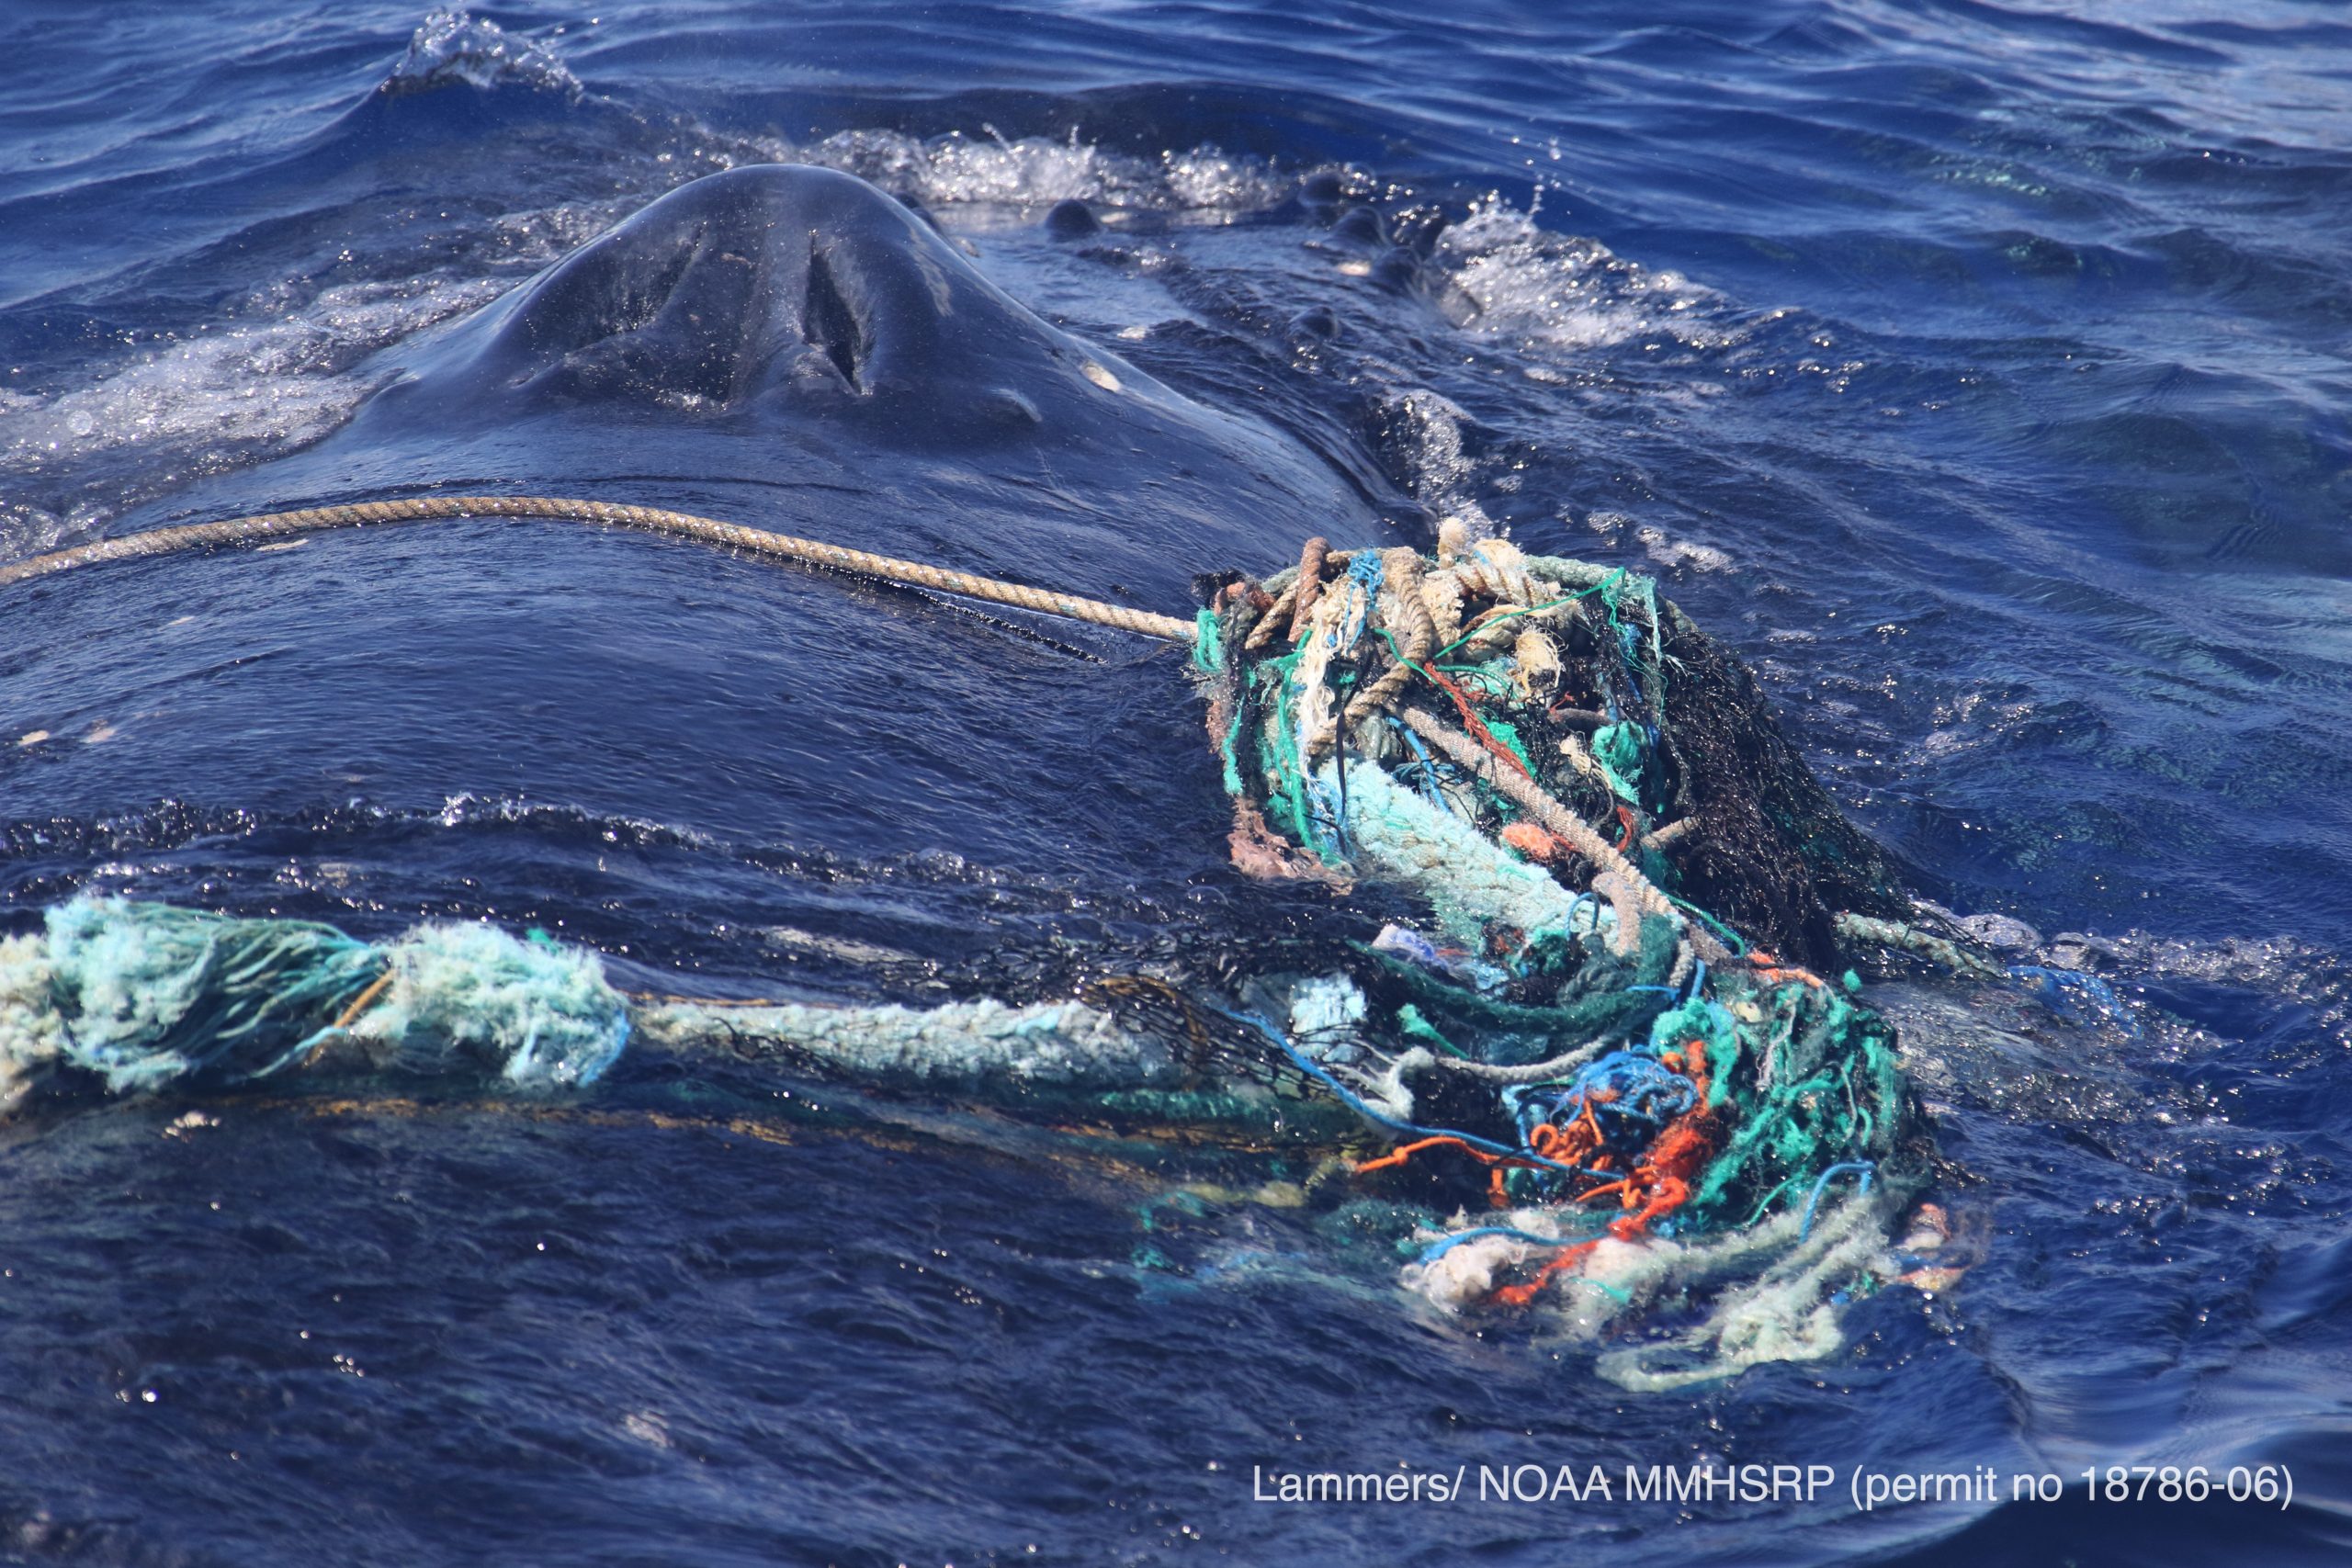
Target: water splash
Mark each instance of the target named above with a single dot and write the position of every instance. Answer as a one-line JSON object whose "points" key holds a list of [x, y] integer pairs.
{"points": [[454, 46], [283, 372], [1547, 291], [961, 169]]}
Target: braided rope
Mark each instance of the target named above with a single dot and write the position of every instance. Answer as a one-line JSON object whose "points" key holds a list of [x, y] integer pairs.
{"points": [[1293, 603], [641, 519], [1911, 939], [1561, 823], [1276, 618], [1526, 1072], [1673, 833], [1311, 557], [1404, 575]]}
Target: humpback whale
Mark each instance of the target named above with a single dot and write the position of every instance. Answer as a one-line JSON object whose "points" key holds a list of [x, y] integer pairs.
{"points": [[782, 346], [794, 335]]}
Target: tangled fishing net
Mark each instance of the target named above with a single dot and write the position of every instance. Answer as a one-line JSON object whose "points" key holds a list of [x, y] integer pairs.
{"points": [[1567, 773], [1607, 1035]]}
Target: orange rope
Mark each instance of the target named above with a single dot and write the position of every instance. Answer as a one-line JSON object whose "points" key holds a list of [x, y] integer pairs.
{"points": [[1657, 1186], [1533, 841], [1770, 970], [1520, 1295], [1692, 1062], [1666, 1172], [1567, 1144], [1673, 1160], [1473, 723]]}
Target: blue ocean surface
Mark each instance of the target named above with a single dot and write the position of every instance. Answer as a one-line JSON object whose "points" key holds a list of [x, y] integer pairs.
{"points": [[1978, 372]]}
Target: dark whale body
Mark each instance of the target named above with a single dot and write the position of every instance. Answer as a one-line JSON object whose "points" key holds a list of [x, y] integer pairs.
{"points": [[781, 292], [789, 347], [779, 345], [792, 327]]}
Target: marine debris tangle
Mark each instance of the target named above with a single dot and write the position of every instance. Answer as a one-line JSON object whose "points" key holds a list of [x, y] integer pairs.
{"points": [[1610, 1041], [1566, 772]]}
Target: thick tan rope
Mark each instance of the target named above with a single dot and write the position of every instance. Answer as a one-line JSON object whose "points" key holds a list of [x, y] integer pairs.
{"points": [[1547, 811], [643, 519], [1403, 568], [1559, 1066]]}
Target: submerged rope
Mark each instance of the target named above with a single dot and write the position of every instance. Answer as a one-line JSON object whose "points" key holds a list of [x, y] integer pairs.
{"points": [[642, 519]]}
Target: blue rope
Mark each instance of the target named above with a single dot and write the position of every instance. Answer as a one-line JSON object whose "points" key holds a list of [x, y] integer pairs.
{"points": [[1325, 814], [1645, 1091], [1366, 570], [1429, 776], [1355, 1102], [1641, 1082], [1438, 1249], [1869, 1168], [2054, 983], [1578, 902]]}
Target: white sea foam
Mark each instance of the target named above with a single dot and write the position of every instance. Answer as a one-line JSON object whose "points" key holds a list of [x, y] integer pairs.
{"points": [[283, 372], [1671, 552], [453, 46], [1034, 171], [1560, 291]]}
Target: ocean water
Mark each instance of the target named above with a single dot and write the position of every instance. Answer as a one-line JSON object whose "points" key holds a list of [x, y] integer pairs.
{"points": [[1978, 371]]}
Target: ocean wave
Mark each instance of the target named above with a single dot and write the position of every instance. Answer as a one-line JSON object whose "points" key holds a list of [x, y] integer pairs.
{"points": [[1552, 291], [453, 47]]}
